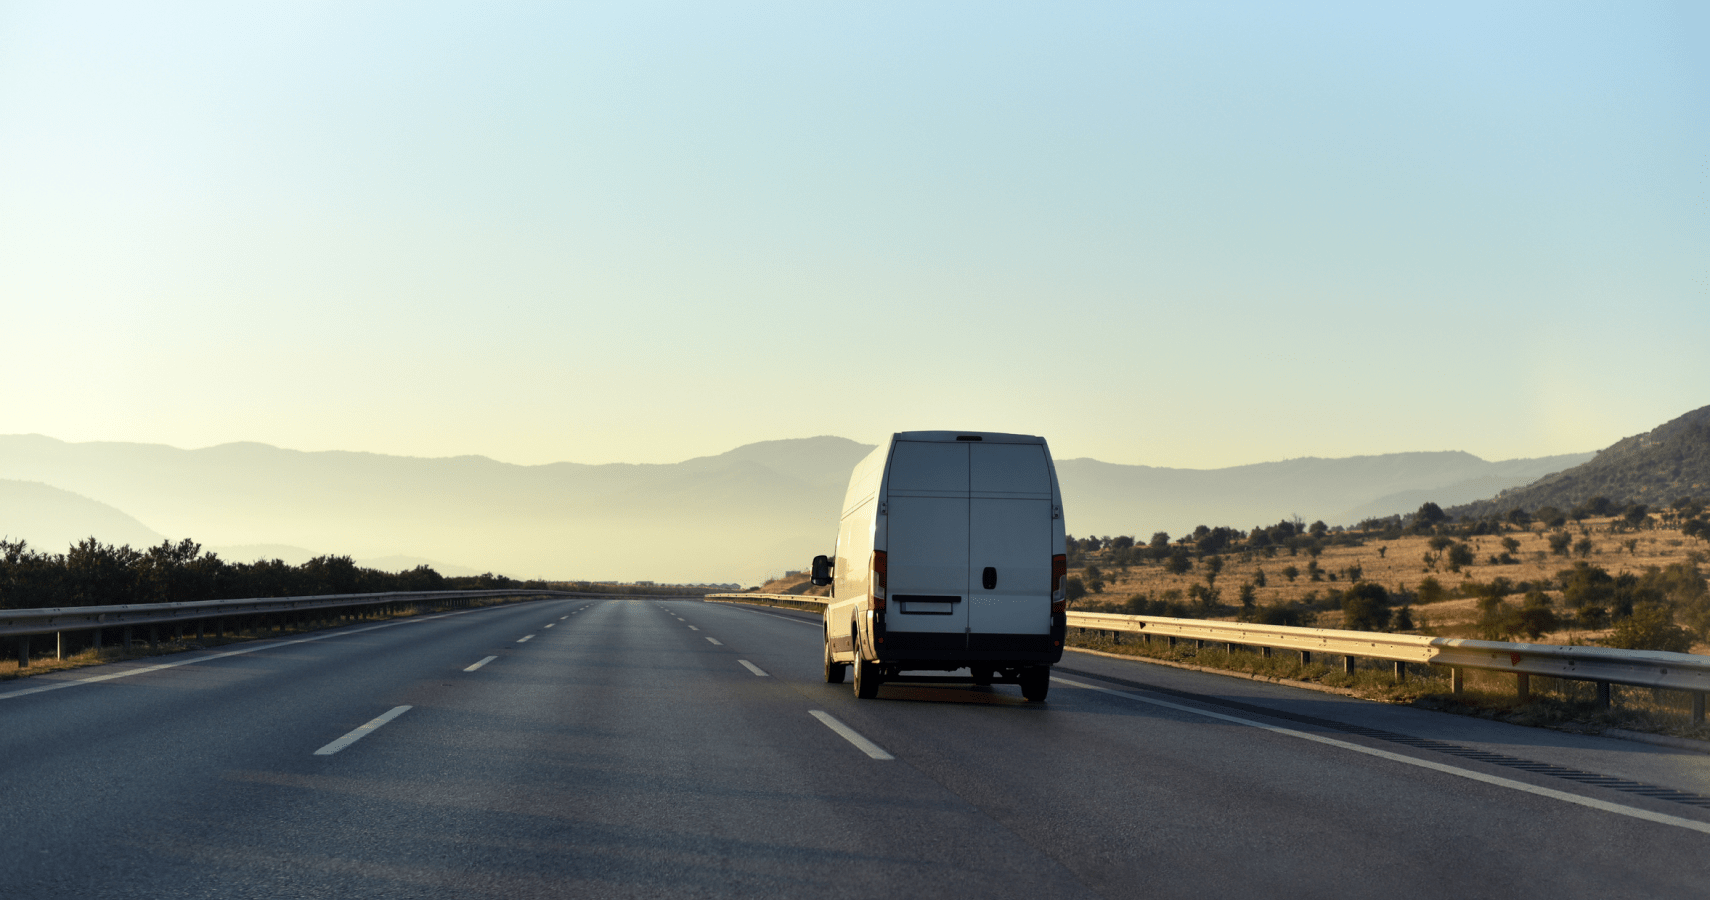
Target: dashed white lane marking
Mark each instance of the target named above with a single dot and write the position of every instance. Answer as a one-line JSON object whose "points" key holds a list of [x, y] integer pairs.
{"points": [[753, 668], [360, 733], [480, 664], [550, 624], [563, 617], [850, 734], [715, 642], [1497, 780], [525, 639], [693, 628]]}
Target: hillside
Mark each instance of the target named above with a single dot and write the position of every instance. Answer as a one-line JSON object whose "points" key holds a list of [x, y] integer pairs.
{"points": [[1654, 468], [51, 519]]}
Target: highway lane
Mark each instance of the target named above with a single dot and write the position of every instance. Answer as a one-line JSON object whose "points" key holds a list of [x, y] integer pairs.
{"points": [[620, 752], [1139, 798]]}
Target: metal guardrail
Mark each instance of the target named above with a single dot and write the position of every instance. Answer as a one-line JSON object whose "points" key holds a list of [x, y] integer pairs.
{"points": [[23, 622], [788, 601], [1602, 666]]}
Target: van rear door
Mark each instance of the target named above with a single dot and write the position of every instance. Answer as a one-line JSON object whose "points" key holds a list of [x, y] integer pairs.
{"points": [[1009, 544], [927, 514]]}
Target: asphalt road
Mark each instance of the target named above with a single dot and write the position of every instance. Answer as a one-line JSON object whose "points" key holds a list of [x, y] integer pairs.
{"points": [[642, 748]]}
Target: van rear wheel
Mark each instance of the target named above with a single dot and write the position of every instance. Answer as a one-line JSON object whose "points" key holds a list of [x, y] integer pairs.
{"points": [[1036, 683], [866, 675], [834, 670]]}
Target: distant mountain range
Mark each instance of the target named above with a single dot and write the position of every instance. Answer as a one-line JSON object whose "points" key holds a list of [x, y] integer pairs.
{"points": [[1105, 499], [1655, 468], [738, 516], [752, 510]]}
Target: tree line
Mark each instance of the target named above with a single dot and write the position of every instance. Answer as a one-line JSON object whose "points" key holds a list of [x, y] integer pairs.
{"points": [[91, 573]]}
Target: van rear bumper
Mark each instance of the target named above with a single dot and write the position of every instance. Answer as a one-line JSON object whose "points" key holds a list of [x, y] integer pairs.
{"points": [[930, 647]]}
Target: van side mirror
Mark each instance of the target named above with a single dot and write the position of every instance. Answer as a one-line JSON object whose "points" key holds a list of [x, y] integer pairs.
{"points": [[821, 571]]}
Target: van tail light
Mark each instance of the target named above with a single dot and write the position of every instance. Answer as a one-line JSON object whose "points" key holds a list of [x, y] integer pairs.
{"points": [[879, 589], [1059, 571]]}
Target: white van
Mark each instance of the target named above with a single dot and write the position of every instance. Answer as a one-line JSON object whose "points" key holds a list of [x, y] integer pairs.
{"points": [[950, 556]]}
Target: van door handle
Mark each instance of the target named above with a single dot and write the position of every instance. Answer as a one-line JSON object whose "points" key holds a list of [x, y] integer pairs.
{"points": [[988, 578]]}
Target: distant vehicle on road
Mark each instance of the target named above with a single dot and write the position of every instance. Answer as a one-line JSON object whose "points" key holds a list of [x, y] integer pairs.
{"points": [[950, 555]]}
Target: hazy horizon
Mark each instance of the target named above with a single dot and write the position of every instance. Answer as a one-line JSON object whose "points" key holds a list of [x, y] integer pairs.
{"points": [[677, 461], [756, 509]]}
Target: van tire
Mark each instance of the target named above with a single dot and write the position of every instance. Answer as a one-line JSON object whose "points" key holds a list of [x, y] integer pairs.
{"points": [[866, 679], [834, 670], [1036, 683], [982, 676]]}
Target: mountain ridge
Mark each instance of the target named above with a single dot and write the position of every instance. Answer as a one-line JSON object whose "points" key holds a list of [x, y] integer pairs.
{"points": [[738, 515], [1656, 467]]}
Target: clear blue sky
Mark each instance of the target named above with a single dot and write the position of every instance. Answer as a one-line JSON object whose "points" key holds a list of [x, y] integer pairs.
{"points": [[1189, 235]]}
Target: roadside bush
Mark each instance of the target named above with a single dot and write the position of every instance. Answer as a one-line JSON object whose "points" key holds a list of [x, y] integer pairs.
{"points": [[1365, 607], [1650, 627], [1281, 614]]}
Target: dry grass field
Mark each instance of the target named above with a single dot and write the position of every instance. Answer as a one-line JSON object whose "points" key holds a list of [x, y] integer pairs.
{"points": [[1401, 564]]}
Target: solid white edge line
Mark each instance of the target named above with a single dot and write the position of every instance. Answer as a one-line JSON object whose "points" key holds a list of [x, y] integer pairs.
{"points": [[249, 648], [753, 668], [525, 638], [850, 734], [480, 664], [715, 642], [367, 729], [1497, 780]]}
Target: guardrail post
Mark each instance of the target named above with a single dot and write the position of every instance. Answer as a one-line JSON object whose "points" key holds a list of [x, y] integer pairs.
{"points": [[1265, 652], [1306, 657], [1347, 665], [1457, 680], [153, 637], [97, 641], [59, 645], [1604, 697], [1523, 686], [1172, 642], [127, 637], [1400, 670], [1116, 637], [24, 652], [198, 629], [1697, 707]]}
